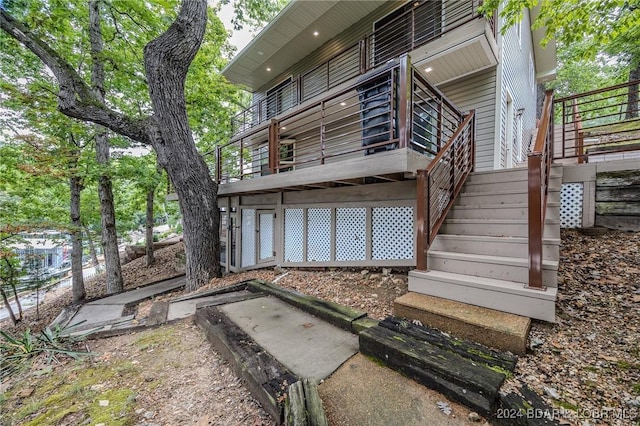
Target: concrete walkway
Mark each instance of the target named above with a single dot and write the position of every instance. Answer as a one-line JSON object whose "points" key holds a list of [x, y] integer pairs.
{"points": [[309, 347], [355, 390], [105, 313]]}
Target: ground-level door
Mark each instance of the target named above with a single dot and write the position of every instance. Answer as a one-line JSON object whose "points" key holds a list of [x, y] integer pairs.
{"points": [[257, 237]]}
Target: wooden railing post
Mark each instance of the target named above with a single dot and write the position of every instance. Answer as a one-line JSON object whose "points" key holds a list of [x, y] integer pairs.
{"points": [[422, 219], [274, 156], [363, 55], [218, 164], [535, 220], [404, 101], [539, 169], [579, 134]]}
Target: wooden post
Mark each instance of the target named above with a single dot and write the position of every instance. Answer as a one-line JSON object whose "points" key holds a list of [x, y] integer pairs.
{"points": [[404, 101], [363, 55], [535, 220], [422, 219], [274, 157]]}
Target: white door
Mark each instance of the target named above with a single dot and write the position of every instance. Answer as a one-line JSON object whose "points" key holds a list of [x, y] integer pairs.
{"points": [[265, 247]]}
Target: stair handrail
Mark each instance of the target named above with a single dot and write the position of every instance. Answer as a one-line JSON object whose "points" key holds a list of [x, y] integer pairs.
{"points": [[539, 169], [439, 184]]}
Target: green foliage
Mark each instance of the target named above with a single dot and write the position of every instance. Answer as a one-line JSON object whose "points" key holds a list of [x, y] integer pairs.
{"points": [[17, 351]]}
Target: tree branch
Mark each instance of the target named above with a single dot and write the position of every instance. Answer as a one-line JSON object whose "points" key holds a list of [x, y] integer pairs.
{"points": [[75, 98]]}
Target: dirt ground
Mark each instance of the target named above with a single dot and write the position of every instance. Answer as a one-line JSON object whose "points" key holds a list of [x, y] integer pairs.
{"points": [[587, 361]]}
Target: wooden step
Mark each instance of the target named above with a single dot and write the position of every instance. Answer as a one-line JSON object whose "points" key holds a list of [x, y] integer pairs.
{"points": [[506, 296], [470, 383], [518, 183], [493, 246], [497, 227], [500, 211], [505, 268], [507, 175]]}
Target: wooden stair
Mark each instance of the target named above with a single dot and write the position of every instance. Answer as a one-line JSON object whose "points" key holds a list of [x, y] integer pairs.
{"points": [[480, 255]]}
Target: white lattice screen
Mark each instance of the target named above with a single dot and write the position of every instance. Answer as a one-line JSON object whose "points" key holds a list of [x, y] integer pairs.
{"points": [[293, 235], [318, 235], [266, 235], [571, 200], [248, 237], [351, 234], [392, 233]]}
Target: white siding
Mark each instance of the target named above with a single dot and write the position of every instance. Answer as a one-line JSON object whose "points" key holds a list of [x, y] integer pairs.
{"points": [[478, 92], [518, 77]]}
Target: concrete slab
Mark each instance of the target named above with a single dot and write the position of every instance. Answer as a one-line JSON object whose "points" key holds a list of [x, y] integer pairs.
{"points": [[141, 293], [362, 392], [307, 346], [94, 314], [496, 329], [186, 308]]}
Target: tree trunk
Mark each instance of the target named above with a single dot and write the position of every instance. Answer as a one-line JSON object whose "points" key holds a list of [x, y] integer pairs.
{"points": [[12, 283], [77, 278], [632, 94], [8, 306], [92, 248], [149, 239], [107, 211], [167, 60]]}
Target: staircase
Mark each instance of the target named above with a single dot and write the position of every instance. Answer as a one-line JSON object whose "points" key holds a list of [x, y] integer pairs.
{"points": [[480, 255]]}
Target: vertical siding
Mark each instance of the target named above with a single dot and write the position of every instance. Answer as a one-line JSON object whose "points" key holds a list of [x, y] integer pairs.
{"points": [[518, 76], [478, 92]]}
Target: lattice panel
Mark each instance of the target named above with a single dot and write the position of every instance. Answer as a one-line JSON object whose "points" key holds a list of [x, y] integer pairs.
{"points": [[351, 234], [248, 237], [392, 233], [318, 235], [293, 235], [266, 235], [571, 201]]}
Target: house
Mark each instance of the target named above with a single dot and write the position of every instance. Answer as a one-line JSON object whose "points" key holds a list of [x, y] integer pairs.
{"points": [[367, 119]]}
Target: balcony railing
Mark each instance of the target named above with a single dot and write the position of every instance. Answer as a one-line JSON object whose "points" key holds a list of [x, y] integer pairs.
{"points": [[385, 109], [414, 28], [598, 122]]}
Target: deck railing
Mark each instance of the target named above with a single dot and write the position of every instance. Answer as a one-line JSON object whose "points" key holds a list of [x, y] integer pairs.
{"points": [[599, 122], [539, 164], [388, 108], [439, 185], [414, 28]]}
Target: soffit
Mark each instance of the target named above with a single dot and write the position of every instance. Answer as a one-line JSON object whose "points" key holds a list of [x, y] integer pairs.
{"points": [[289, 38]]}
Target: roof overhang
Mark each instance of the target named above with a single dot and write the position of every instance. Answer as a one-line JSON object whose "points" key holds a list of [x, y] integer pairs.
{"points": [[290, 37], [545, 57]]}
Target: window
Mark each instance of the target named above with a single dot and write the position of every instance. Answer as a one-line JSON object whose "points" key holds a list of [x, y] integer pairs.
{"points": [[281, 98]]}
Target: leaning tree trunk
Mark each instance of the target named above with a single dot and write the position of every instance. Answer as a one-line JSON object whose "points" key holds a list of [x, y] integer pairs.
{"points": [[7, 305], [77, 277], [632, 94], [105, 192], [149, 226], [167, 60]]}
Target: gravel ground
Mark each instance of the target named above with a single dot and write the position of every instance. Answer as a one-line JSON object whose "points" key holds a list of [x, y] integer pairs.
{"points": [[588, 362]]}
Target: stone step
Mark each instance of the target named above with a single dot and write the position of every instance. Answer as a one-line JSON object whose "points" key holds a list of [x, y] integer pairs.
{"points": [[500, 211], [506, 296], [496, 267], [458, 378], [489, 327], [493, 246], [497, 227]]}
